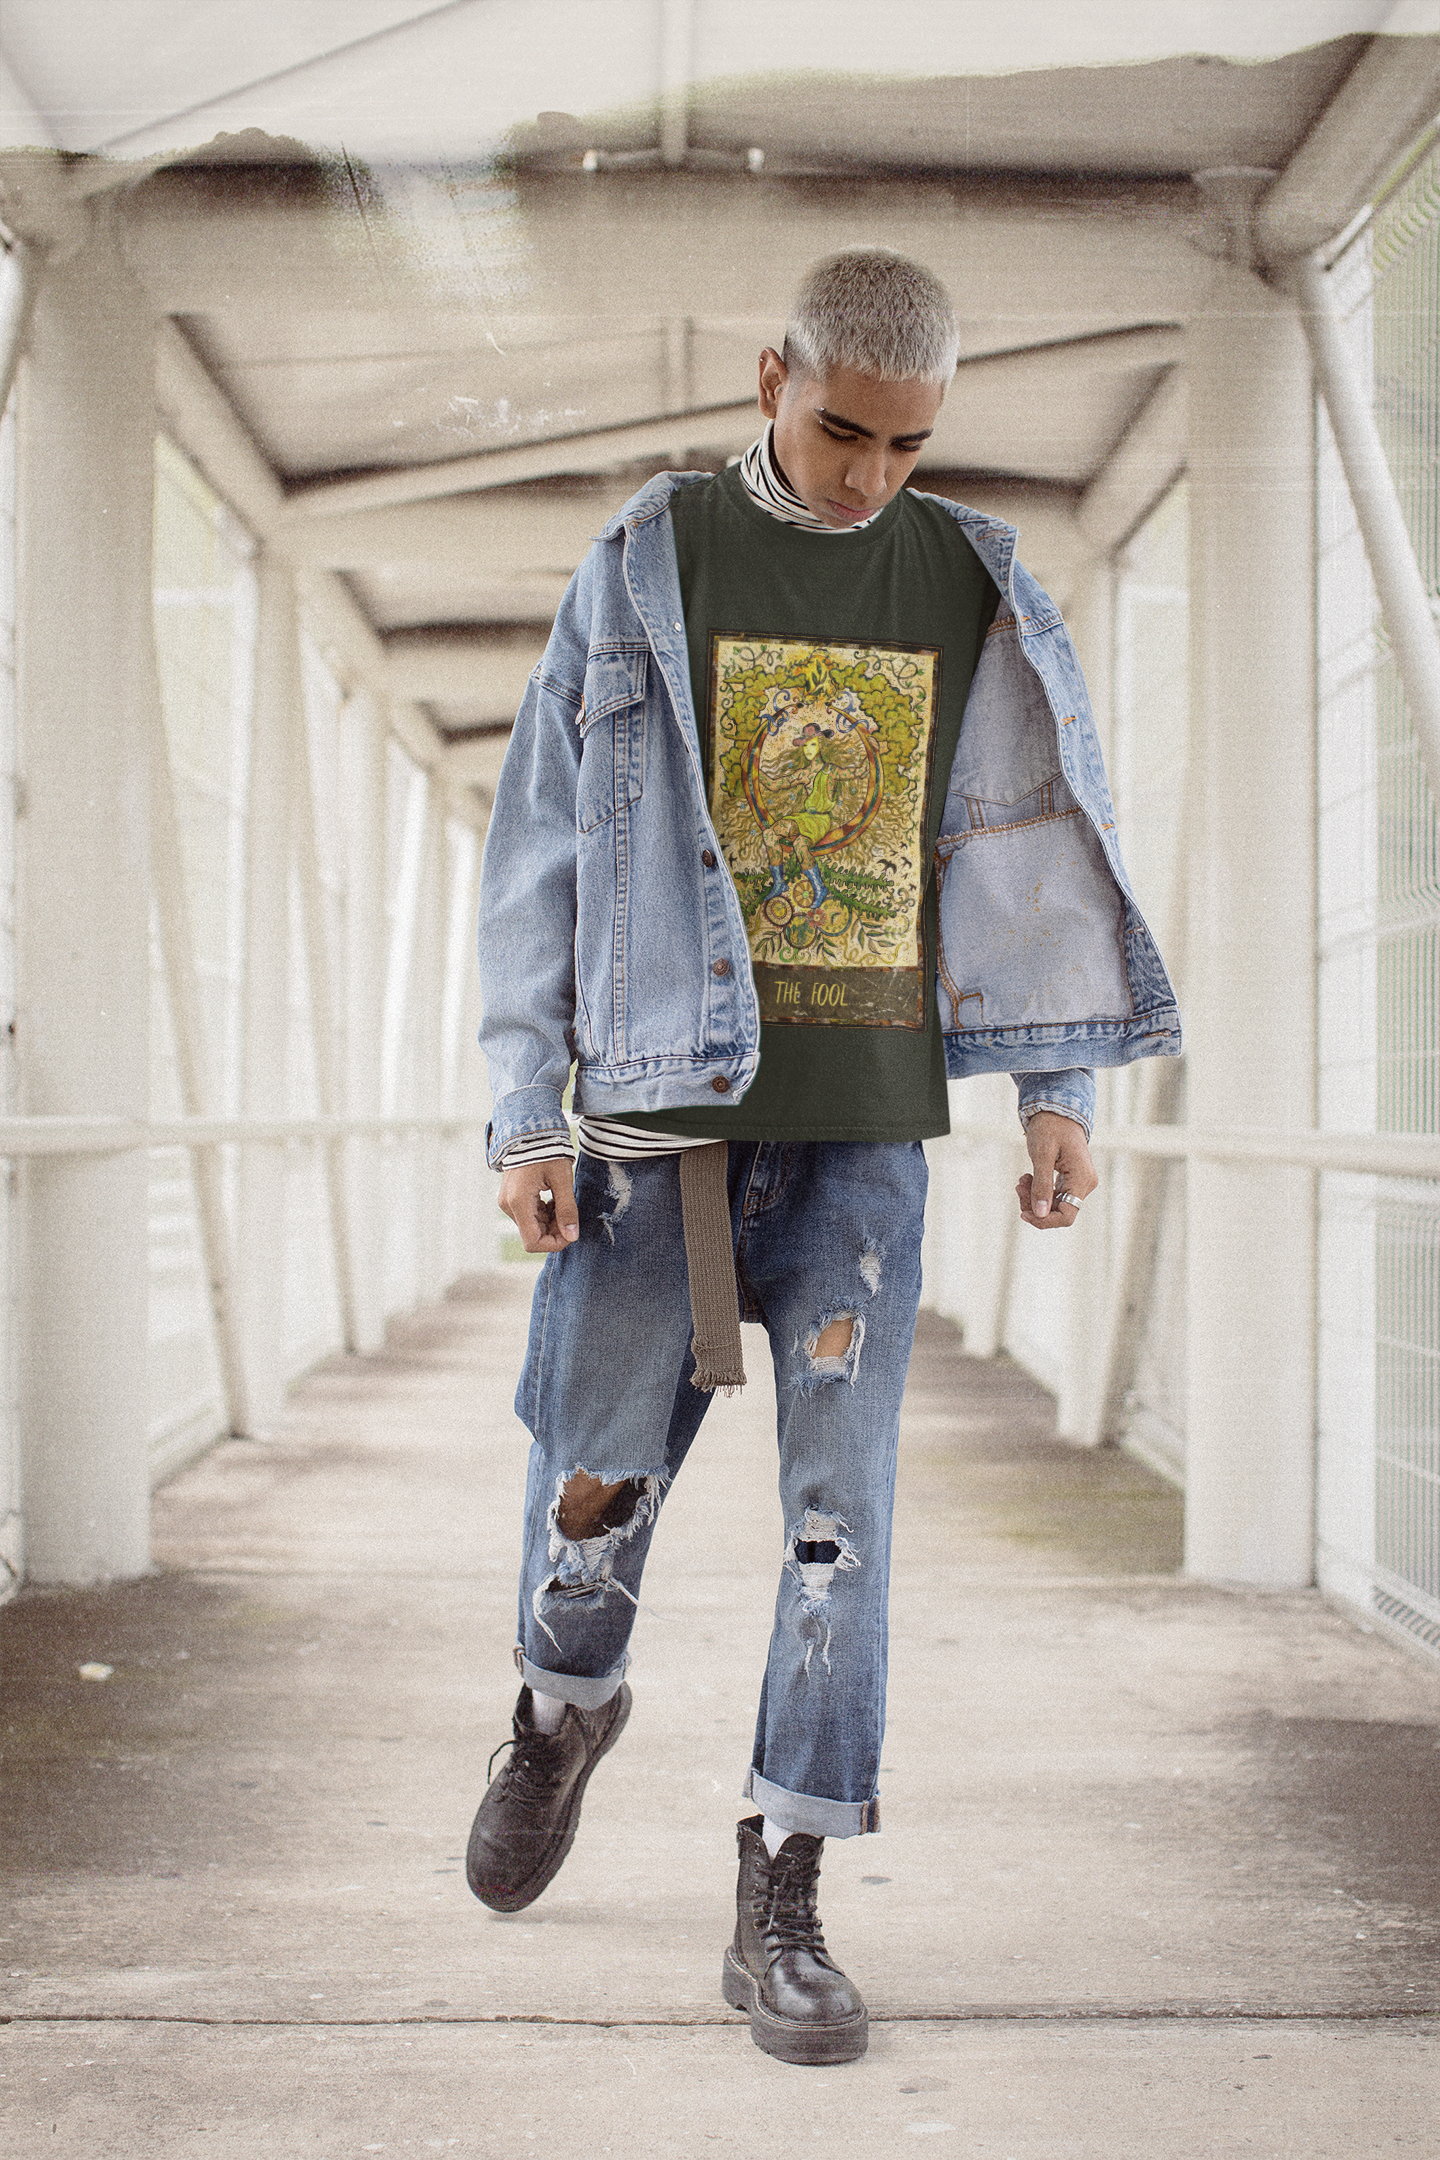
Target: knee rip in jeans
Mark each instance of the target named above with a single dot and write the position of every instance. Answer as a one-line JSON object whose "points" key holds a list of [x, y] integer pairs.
{"points": [[817, 1549], [589, 1520]]}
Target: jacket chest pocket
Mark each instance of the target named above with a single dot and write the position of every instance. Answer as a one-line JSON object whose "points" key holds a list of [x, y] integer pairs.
{"points": [[612, 737]]}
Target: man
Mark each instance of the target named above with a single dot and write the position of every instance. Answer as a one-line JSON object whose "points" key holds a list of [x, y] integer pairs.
{"points": [[803, 810]]}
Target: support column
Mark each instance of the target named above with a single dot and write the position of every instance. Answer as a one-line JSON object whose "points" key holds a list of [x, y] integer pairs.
{"points": [[261, 1241], [363, 750], [1249, 1007], [86, 686]]}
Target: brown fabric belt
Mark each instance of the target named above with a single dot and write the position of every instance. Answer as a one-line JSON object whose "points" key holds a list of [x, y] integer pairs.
{"points": [[710, 1259]]}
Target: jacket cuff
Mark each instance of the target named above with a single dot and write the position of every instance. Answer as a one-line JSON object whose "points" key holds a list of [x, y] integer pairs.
{"points": [[1070, 1093], [516, 1116]]}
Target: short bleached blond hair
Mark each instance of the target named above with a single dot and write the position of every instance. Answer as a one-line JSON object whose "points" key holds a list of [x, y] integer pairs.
{"points": [[877, 312]]}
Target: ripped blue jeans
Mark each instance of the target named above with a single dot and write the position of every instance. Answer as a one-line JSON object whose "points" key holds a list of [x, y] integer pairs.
{"points": [[824, 1232]]}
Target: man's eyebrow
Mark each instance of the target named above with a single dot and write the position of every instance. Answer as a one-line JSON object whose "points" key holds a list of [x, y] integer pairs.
{"points": [[853, 427]]}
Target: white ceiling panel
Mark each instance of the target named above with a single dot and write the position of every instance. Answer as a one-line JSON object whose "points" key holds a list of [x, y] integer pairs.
{"points": [[139, 76], [543, 338], [417, 301], [325, 414], [418, 593], [98, 70]]}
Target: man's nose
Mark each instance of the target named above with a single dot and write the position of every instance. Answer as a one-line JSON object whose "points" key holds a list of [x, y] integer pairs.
{"points": [[866, 472]]}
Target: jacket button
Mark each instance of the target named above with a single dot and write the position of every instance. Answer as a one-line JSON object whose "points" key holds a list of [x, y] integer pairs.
{"points": [[721, 967], [720, 1084], [707, 856]]}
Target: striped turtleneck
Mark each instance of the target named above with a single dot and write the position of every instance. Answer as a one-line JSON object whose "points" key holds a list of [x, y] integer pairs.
{"points": [[766, 484]]}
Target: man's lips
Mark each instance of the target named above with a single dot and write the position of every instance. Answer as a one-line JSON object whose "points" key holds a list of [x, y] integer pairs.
{"points": [[843, 510]]}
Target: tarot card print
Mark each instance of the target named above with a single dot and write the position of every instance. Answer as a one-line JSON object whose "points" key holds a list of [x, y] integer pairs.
{"points": [[821, 762]]}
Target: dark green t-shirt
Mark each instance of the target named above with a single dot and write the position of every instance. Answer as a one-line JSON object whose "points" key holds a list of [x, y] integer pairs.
{"points": [[829, 673]]}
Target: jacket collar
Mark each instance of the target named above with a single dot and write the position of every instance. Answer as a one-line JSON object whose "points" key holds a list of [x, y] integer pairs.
{"points": [[649, 501]]}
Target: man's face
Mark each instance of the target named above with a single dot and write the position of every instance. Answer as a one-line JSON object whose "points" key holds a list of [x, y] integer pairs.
{"points": [[847, 444]]}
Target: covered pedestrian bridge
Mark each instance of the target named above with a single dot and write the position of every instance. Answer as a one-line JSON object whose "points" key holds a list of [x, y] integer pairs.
{"points": [[322, 358]]}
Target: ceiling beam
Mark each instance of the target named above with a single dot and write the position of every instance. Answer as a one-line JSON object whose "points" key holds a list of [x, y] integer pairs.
{"points": [[1391, 94], [1145, 345], [594, 450], [712, 247], [720, 429], [485, 537]]}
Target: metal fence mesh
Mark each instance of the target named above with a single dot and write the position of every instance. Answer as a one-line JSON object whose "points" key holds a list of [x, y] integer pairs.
{"points": [[1380, 945]]}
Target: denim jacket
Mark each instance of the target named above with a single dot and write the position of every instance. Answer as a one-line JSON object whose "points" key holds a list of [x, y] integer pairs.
{"points": [[607, 908]]}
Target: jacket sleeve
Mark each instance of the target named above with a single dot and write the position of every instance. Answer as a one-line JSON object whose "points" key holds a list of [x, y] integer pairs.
{"points": [[527, 893], [1071, 1092]]}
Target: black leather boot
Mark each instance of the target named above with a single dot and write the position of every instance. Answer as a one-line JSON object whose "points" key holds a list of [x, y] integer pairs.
{"points": [[802, 2008], [527, 1820]]}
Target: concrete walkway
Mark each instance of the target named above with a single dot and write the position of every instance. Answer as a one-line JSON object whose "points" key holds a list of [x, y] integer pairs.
{"points": [[1160, 1872]]}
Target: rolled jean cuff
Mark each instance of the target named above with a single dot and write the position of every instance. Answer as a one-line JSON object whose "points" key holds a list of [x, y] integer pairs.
{"points": [[585, 1692], [803, 1811]]}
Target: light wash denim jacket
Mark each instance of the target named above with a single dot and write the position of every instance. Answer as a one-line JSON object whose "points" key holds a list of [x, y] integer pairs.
{"points": [[607, 908]]}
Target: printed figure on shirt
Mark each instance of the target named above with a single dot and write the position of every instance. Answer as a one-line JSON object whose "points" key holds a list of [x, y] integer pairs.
{"points": [[821, 762]]}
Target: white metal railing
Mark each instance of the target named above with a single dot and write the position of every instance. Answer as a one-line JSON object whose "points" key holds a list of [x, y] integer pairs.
{"points": [[1397, 1155], [32, 1136]]}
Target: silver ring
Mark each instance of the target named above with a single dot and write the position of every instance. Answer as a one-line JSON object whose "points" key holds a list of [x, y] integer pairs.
{"points": [[1067, 1199]]}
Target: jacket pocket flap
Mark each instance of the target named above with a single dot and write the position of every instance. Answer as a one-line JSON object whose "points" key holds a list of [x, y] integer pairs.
{"points": [[612, 681]]}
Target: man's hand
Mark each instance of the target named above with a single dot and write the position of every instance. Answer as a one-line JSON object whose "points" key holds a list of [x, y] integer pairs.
{"points": [[539, 1198], [1059, 1163]]}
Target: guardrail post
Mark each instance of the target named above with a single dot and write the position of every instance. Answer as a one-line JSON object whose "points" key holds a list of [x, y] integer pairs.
{"points": [[261, 1241], [363, 740], [1249, 1006], [174, 923], [86, 680], [320, 974], [426, 1010]]}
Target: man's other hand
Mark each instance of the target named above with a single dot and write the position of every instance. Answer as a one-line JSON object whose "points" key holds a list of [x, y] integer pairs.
{"points": [[539, 1198], [1059, 1163]]}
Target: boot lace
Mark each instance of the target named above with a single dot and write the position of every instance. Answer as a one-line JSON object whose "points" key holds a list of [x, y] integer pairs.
{"points": [[792, 1922], [531, 1775]]}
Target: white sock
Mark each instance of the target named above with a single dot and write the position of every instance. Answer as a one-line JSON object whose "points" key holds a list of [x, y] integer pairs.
{"points": [[547, 1712], [774, 1835]]}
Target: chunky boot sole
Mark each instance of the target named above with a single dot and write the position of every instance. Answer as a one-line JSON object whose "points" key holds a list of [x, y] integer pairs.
{"points": [[508, 1901], [786, 2038]]}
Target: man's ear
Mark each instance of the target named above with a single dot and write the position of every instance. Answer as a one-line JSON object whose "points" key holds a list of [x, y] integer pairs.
{"points": [[773, 377]]}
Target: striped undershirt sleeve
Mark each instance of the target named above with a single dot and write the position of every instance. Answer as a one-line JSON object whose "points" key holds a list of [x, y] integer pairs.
{"points": [[607, 1138], [537, 1147], [613, 1141]]}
